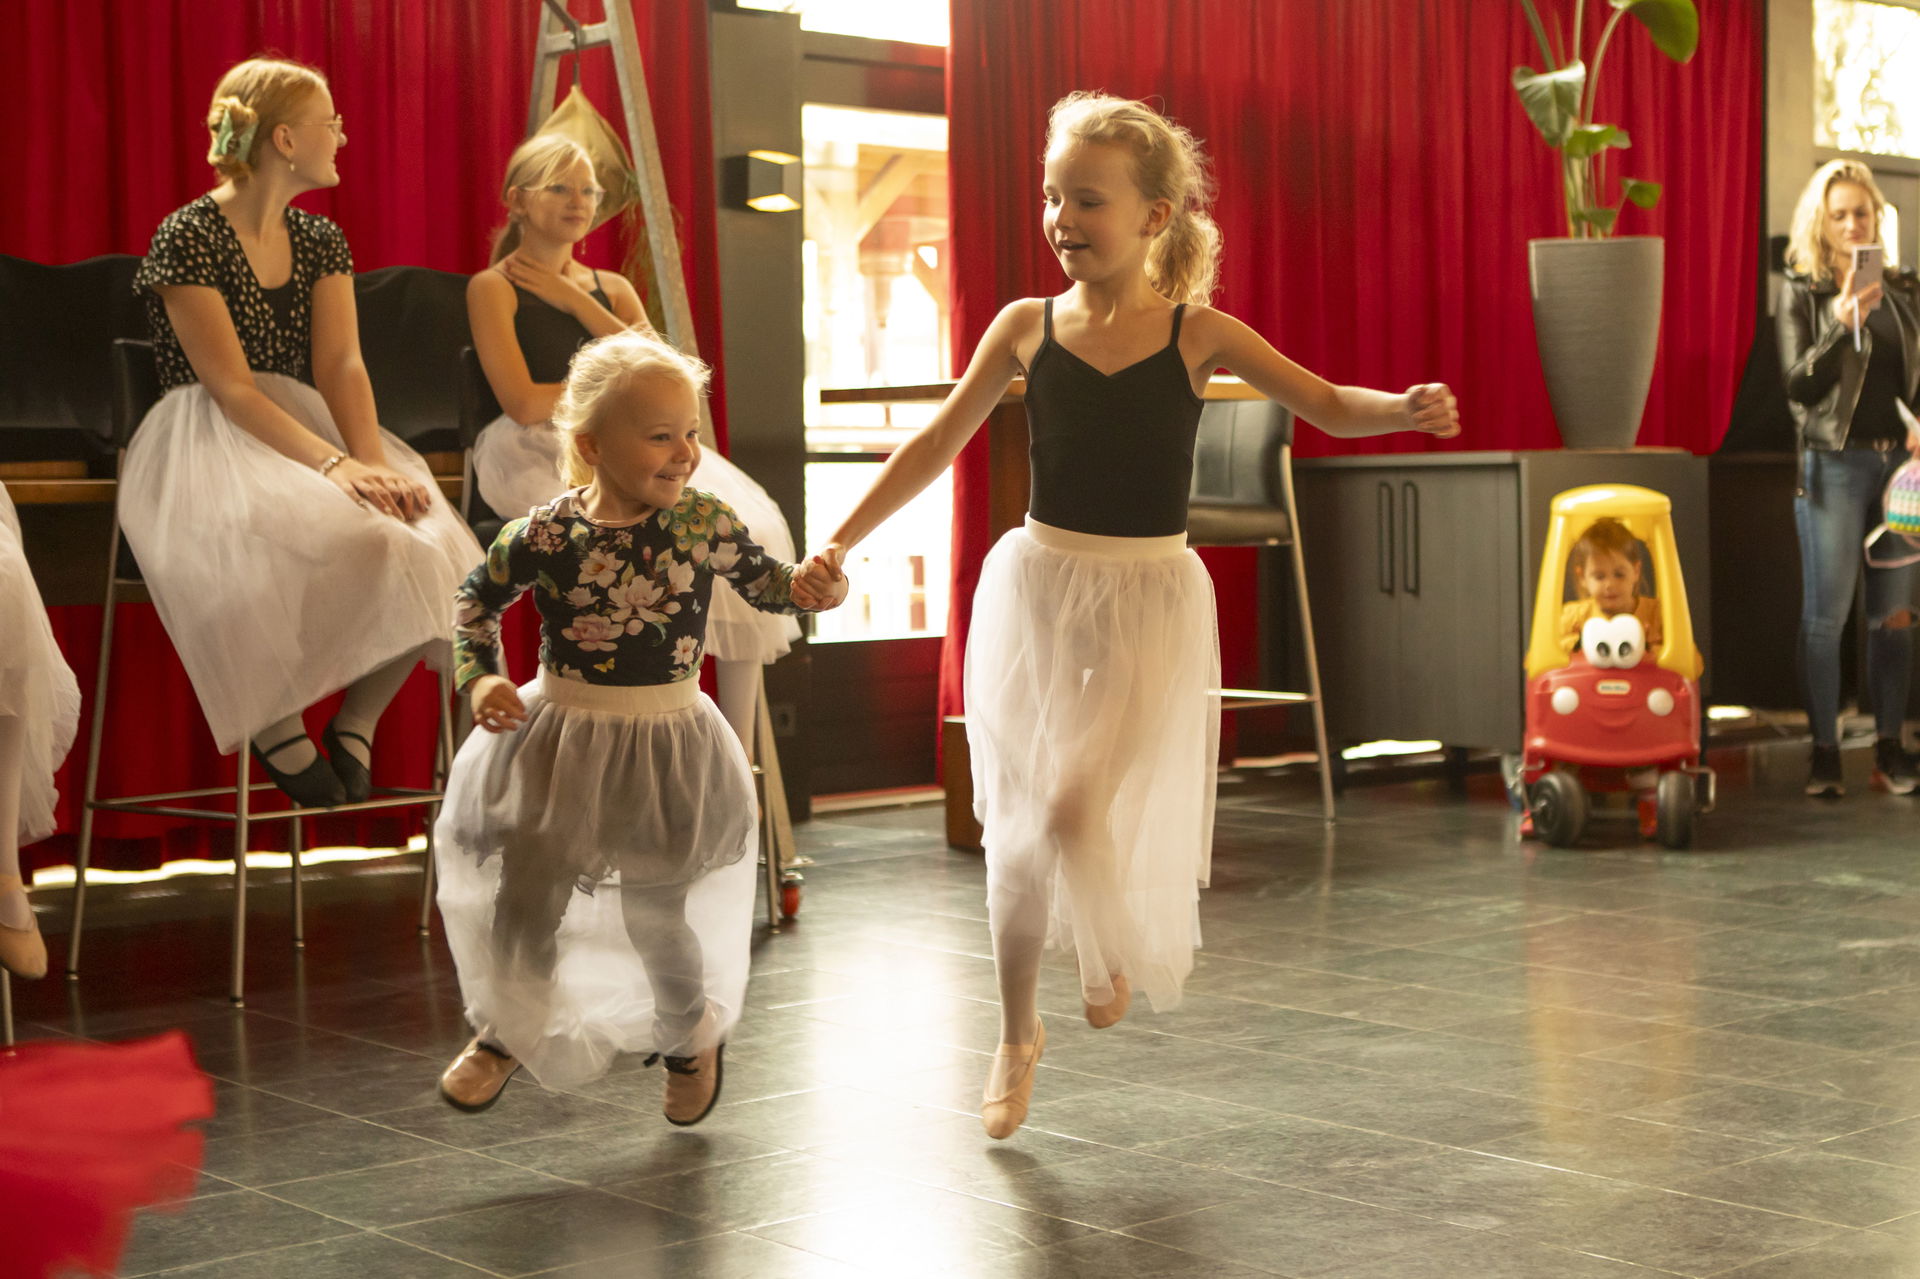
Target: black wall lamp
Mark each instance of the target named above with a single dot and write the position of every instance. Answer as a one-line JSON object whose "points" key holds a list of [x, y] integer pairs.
{"points": [[765, 181]]}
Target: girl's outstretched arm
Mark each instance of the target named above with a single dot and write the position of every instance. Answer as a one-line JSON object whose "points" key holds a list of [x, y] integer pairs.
{"points": [[917, 463], [1346, 411]]}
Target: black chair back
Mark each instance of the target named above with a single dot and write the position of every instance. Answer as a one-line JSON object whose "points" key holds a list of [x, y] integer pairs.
{"points": [[136, 387], [1236, 498], [477, 404], [413, 323], [57, 325]]}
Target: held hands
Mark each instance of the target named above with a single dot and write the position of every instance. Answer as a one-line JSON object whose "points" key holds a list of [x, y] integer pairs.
{"points": [[496, 704], [1431, 408], [551, 287], [381, 488], [820, 585]]}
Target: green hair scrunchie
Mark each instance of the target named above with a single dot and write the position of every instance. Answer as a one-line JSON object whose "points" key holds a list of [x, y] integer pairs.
{"points": [[229, 143]]}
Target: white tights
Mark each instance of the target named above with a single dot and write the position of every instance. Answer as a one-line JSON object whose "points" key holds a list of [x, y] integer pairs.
{"points": [[14, 911]]}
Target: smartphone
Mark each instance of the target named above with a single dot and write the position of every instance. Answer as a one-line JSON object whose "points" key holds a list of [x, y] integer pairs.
{"points": [[1869, 265]]}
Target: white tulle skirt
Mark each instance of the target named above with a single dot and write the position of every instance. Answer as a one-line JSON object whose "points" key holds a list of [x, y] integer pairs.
{"points": [[1093, 724], [736, 631], [573, 851], [276, 587], [517, 468], [36, 685]]}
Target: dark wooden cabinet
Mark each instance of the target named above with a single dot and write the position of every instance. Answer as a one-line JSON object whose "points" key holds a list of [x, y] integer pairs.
{"points": [[1422, 569]]}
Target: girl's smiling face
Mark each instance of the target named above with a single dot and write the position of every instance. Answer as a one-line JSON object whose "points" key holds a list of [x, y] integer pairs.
{"points": [[1097, 221], [645, 447], [1611, 580]]}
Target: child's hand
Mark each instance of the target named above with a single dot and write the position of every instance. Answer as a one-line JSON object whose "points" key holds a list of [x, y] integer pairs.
{"points": [[1431, 408], [496, 704], [819, 584]]}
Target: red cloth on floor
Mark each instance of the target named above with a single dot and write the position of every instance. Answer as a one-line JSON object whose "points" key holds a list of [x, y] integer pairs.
{"points": [[88, 1133]]}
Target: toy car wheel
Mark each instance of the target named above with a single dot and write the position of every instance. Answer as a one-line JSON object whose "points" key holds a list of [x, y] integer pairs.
{"points": [[1559, 809], [1675, 816]]}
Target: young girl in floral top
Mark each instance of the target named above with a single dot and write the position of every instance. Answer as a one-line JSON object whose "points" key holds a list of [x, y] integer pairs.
{"points": [[594, 850]]}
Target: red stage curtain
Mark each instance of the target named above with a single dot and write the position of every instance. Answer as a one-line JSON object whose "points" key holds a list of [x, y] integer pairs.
{"points": [[1378, 185], [105, 101]]}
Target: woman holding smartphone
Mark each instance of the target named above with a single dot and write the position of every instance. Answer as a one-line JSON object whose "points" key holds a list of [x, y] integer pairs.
{"points": [[1845, 391]]}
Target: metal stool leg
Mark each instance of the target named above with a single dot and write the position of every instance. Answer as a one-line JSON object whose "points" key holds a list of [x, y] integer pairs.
{"points": [[6, 1009], [91, 792], [242, 804], [296, 843], [442, 767], [1306, 635]]}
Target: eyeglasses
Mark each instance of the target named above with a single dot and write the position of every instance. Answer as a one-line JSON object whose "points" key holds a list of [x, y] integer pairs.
{"points": [[561, 191], [337, 123]]}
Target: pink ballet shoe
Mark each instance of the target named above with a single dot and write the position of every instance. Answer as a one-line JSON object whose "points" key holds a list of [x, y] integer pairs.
{"points": [[1003, 1106], [23, 952], [1101, 1016]]}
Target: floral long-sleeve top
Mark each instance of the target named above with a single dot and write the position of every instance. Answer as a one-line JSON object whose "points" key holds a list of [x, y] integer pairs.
{"points": [[622, 604]]}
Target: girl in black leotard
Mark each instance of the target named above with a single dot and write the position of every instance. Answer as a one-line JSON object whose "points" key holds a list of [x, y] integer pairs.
{"points": [[1093, 667], [530, 311]]}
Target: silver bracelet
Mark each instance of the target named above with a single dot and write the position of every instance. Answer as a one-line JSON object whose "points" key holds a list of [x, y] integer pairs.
{"points": [[332, 462]]}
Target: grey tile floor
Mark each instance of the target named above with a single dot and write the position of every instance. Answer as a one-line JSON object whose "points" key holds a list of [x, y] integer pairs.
{"points": [[1412, 1049]]}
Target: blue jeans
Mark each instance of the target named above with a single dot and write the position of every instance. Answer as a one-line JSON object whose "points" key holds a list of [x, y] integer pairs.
{"points": [[1840, 504]]}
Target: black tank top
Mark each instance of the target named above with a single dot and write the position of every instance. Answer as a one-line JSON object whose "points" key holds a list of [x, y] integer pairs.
{"points": [[1111, 455], [549, 336]]}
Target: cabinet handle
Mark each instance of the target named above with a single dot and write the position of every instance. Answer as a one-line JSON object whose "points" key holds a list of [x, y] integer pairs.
{"points": [[1410, 502], [1384, 515]]}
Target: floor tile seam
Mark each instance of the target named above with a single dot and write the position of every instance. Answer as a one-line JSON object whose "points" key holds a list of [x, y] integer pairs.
{"points": [[1603, 1256], [1790, 1142], [737, 1228], [449, 1146], [1773, 1256], [258, 1252], [1761, 1081], [491, 1153], [572, 1192], [1751, 1207], [373, 1167], [1578, 1252]]}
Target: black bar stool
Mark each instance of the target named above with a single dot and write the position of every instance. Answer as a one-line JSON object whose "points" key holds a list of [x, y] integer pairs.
{"points": [[1242, 495], [136, 388]]}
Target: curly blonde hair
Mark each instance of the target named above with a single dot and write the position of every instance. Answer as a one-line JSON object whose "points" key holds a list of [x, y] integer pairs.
{"points": [[252, 100], [1183, 263], [600, 370], [1808, 250]]}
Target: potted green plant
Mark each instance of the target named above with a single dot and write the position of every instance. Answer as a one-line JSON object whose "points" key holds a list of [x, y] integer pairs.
{"points": [[1596, 295]]}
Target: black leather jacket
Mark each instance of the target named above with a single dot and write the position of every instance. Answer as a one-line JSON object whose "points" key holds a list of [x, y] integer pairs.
{"points": [[1823, 371]]}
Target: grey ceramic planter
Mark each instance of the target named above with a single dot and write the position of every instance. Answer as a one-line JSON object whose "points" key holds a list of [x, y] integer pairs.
{"points": [[1596, 315]]}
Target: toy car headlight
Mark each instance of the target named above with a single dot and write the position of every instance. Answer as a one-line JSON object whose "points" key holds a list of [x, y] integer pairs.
{"points": [[1660, 702], [1565, 700], [1613, 641]]}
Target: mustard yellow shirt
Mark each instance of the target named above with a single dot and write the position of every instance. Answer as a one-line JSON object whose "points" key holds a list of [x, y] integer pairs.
{"points": [[1577, 614]]}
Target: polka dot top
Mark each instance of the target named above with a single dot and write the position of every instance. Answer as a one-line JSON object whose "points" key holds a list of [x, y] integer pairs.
{"points": [[197, 245]]}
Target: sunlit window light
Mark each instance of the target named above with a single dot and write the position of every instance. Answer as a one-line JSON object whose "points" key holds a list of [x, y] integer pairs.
{"points": [[1387, 749], [914, 21], [63, 876]]}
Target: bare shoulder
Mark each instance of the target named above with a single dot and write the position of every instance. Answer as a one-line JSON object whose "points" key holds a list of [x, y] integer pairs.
{"points": [[490, 285], [1020, 327], [618, 286]]}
